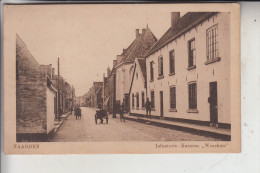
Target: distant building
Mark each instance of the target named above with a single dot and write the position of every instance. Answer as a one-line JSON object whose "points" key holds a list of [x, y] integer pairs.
{"points": [[109, 93], [94, 97], [35, 98], [188, 70], [66, 93]]}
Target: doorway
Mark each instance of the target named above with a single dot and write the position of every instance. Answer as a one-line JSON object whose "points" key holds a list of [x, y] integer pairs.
{"points": [[213, 101], [161, 103]]}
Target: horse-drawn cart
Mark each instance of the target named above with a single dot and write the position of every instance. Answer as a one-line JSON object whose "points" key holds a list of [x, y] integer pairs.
{"points": [[101, 114]]}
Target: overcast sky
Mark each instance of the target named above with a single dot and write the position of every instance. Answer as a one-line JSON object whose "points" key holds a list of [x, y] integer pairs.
{"points": [[86, 37]]}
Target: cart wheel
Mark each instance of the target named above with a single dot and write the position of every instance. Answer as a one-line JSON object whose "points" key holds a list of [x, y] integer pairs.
{"points": [[107, 119], [96, 118]]}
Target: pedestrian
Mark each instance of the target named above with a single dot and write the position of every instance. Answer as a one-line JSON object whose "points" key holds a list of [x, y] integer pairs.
{"points": [[148, 108], [122, 107], [78, 113], [71, 109]]}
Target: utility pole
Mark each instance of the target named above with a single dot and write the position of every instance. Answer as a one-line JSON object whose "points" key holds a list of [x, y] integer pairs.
{"points": [[59, 89], [114, 95]]}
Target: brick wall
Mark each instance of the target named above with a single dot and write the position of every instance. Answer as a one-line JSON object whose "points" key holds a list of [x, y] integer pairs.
{"points": [[31, 88]]}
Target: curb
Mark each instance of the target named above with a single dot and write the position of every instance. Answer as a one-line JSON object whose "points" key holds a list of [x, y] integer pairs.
{"points": [[223, 137]]}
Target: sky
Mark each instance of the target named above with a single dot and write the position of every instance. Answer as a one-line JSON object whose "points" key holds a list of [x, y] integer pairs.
{"points": [[86, 38]]}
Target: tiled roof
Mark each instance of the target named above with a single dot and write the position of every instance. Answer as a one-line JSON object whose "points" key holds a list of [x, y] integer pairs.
{"points": [[184, 24], [142, 64], [139, 47]]}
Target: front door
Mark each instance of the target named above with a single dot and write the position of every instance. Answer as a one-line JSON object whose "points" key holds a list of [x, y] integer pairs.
{"points": [[161, 103], [213, 101]]}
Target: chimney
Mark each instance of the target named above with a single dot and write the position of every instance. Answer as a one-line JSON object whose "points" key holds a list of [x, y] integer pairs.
{"points": [[114, 63], [175, 16], [137, 32], [143, 31], [119, 58], [108, 71]]}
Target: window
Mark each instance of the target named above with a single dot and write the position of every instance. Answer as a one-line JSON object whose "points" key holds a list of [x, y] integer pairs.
{"points": [[133, 100], [160, 66], [151, 70], [212, 43], [192, 53], [192, 96], [152, 99], [142, 99], [137, 100], [173, 97], [172, 61]]}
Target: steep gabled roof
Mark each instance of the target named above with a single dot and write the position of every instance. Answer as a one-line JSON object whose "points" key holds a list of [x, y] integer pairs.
{"points": [[184, 24], [142, 65], [139, 47]]}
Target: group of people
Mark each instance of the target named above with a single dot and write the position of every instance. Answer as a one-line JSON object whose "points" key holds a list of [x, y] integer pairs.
{"points": [[77, 111], [148, 108]]}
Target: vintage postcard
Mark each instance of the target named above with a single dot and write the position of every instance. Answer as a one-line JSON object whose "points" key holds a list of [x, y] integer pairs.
{"points": [[121, 78]]}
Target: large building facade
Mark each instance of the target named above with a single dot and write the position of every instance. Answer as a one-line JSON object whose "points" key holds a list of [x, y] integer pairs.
{"points": [[188, 69], [125, 64]]}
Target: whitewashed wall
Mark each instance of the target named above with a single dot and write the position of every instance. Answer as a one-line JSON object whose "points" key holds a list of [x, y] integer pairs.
{"points": [[123, 80], [138, 86], [202, 74], [50, 110]]}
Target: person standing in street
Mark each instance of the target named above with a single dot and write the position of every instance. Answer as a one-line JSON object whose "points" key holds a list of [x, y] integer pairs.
{"points": [[78, 113], [122, 108], [148, 108]]}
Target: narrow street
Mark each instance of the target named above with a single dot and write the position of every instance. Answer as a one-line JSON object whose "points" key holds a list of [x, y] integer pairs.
{"points": [[86, 130]]}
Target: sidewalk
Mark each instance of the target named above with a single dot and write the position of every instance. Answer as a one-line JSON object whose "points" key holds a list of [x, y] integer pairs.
{"points": [[219, 133], [58, 124]]}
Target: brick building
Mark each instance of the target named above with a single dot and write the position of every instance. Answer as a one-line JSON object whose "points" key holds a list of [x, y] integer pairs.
{"points": [[35, 97]]}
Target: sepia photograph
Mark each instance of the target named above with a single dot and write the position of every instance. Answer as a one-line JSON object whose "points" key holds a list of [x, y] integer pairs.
{"points": [[117, 78]]}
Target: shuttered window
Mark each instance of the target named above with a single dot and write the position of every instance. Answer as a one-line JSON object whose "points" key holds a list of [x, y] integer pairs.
{"points": [[151, 71], [160, 66], [152, 99], [137, 100], [173, 97], [142, 99], [172, 61], [192, 96], [212, 43], [133, 100], [192, 52]]}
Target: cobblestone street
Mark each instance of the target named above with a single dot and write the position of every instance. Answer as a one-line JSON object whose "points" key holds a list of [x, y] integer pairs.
{"points": [[85, 129]]}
